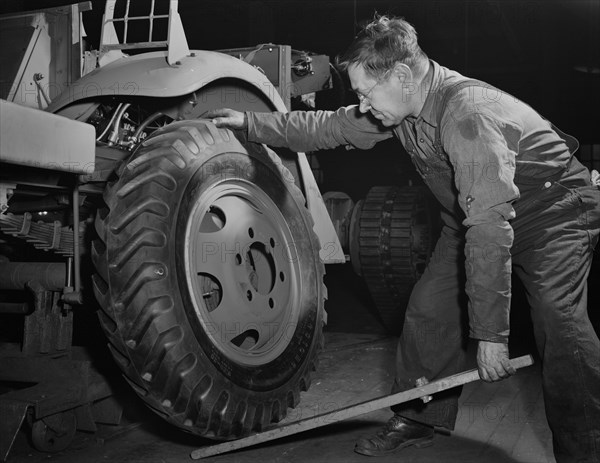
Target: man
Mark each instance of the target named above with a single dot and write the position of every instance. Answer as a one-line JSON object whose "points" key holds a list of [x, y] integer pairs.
{"points": [[513, 197]]}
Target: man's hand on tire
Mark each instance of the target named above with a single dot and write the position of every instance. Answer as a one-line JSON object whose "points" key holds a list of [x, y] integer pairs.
{"points": [[228, 118]]}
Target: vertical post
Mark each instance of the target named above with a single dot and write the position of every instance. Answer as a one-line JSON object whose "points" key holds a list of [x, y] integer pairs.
{"points": [[151, 21], [285, 74], [466, 69], [108, 35], [76, 252], [126, 21], [177, 42]]}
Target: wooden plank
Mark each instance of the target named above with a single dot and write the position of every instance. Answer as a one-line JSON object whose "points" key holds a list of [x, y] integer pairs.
{"points": [[351, 411]]}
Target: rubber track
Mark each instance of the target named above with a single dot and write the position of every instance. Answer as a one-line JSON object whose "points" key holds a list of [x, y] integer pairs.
{"points": [[385, 242]]}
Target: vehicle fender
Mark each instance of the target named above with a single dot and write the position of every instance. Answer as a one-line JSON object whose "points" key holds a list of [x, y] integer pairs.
{"points": [[150, 75]]}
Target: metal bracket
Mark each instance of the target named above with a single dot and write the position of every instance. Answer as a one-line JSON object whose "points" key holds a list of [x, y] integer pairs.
{"points": [[6, 191]]}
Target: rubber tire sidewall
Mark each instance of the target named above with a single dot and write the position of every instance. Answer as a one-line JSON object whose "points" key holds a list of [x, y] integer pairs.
{"points": [[253, 166]]}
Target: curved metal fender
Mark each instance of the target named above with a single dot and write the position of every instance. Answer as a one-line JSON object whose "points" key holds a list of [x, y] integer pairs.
{"points": [[150, 75]]}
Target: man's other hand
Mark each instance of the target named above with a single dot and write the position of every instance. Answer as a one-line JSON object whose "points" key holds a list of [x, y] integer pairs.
{"points": [[228, 118], [492, 361]]}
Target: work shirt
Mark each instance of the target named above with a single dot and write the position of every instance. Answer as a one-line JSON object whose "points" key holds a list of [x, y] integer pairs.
{"points": [[494, 150]]}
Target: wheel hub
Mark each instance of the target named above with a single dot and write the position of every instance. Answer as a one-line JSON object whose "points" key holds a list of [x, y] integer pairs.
{"points": [[242, 273]]}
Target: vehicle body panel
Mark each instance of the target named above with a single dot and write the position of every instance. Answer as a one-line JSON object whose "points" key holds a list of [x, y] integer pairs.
{"points": [[59, 143], [155, 78]]}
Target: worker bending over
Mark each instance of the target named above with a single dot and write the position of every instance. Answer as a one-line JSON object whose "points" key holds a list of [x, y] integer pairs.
{"points": [[513, 198]]}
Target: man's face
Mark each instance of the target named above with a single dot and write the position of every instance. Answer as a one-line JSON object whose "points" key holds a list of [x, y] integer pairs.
{"points": [[387, 99]]}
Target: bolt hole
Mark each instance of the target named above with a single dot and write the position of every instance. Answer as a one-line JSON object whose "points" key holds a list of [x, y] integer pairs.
{"points": [[211, 290], [281, 276], [213, 221], [249, 295], [251, 232], [271, 303], [272, 242]]}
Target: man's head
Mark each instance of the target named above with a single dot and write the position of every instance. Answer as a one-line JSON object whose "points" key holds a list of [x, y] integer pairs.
{"points": [[386, 66]]}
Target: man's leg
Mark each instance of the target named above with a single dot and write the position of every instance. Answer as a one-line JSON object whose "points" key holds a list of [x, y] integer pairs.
{"points": [[432, 345], [552, 256], [434, 338]]}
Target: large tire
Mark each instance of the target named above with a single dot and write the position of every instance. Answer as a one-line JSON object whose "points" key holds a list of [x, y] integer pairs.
{"points": [[209, 280]]}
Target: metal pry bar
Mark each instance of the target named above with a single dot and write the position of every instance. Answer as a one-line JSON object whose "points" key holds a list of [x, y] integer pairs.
{"points": [[351, 411]]}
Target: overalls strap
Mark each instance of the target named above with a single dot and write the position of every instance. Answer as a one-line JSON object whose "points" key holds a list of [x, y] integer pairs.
{"points": [[452, 90], [448, 93]]}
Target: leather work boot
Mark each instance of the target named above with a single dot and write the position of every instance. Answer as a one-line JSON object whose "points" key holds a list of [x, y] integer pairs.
{"points": [[398, 433]]}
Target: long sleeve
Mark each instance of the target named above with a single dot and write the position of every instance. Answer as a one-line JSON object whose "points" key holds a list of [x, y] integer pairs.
{"points": [[483, 152], [316, 130]]}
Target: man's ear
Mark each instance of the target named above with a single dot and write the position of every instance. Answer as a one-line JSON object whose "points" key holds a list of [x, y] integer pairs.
{"points": [[402, 72]]}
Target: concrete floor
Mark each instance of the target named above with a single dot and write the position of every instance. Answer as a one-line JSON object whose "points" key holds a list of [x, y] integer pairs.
{"points": [[498, 423]]}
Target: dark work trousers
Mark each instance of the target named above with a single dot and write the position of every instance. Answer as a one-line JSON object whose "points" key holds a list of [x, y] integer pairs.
{"points": [[556, 229]]}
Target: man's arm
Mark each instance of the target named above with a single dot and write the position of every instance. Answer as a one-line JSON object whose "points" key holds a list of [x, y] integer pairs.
{"points": [[483, 151], [306, 130]]}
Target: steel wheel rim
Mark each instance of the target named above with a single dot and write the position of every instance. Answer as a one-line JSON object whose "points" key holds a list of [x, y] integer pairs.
{"points": [[243, 272]]}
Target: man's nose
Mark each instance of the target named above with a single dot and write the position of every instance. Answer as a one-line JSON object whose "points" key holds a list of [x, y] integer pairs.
{"points": [[364, 105]]}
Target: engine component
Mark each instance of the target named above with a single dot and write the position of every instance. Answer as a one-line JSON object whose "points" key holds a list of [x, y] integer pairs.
{"points": [[392, 238], [6, 191], [303, 66]]}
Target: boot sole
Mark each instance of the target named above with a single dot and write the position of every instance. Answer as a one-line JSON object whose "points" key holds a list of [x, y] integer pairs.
{"points": [[418, 443]]}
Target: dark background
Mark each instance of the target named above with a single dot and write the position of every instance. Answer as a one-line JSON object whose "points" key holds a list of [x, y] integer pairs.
{"points": [[545, 52]]}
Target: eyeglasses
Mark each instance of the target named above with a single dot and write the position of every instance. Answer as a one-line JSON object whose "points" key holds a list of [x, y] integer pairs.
{"points": [[362, 96], [365, 96]]}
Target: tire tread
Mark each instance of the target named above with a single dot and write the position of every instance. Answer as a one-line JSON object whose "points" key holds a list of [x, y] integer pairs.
{"points": [[140, 322]]}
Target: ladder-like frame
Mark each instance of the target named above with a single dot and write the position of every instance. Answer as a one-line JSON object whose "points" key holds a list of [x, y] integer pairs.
{"points": [[176, 42]]}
